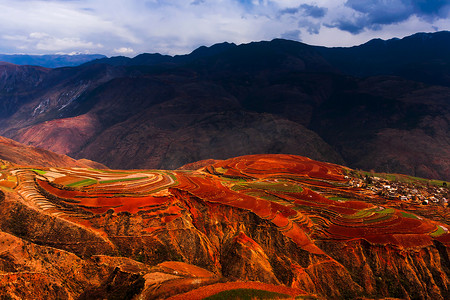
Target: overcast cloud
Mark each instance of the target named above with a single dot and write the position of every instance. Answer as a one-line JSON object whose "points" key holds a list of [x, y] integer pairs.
{"points": [[130, 27]]}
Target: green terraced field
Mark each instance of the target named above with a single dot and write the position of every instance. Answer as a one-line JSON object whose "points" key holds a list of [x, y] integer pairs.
{"points": [[409, 215], [439, 231], [122, 179], [366, 213], [84, 182], [41, 172], [381, 218], [286, 187], [338, 198], [360, 214], [265, 196], [247, 294]]}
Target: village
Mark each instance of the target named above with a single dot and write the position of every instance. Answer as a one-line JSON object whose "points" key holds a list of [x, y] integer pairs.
{"points": [[411, 192]]}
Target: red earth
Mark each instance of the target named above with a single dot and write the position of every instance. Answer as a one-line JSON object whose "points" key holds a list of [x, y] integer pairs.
{"points": [[283, 223]]}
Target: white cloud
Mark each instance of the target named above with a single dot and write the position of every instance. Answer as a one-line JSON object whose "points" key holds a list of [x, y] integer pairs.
{"points": [[52, 44], [178, 26], [124, 51]]}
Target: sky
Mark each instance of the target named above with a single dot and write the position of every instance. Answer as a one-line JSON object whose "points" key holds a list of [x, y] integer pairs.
{"points": [[131, 27]]}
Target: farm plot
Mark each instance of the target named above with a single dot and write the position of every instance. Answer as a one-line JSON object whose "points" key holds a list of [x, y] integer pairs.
{"points": [[262, 166], [306, 200], [289, 182], [7, 181], [76, 192]]}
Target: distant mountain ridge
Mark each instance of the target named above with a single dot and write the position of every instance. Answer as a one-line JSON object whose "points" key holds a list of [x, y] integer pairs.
{"points": [[330, 104], [150, 59], [425, 52], [50, 60], [422, 57]]}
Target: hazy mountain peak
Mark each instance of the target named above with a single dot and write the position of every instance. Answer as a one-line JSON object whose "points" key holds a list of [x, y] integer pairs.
{"points": [[50, 60]]}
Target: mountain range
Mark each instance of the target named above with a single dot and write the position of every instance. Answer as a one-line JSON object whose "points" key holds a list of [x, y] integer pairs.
{"points": [[50, 61], [381, 106]]}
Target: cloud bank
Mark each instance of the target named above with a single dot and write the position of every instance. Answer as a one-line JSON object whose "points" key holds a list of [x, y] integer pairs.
{"points": [[117, 27]]}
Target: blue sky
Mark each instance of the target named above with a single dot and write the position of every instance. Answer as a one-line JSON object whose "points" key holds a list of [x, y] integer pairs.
{"points": [[130, 27]]}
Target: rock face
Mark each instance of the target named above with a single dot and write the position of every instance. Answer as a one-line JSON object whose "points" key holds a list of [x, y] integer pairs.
{"points": [[379, 106], [284, 224]]}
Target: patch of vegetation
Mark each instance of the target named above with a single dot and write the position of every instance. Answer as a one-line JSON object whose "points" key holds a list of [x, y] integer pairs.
{"points": [[440, 183], [265, 196], [316, 220], [337, 184], [386, 211], [172, 176], [84, 182], [383, 217], [360, 214], [234, 178], [220, 170], [40, 172], [409, 215], [391, 177], [438, 232], [112, 171], [247, 294], [407, 179], [238, 187], [338, 198], [286, 187], [122, 179]]}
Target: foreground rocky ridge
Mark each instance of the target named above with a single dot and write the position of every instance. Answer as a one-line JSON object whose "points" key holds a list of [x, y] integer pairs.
{"points": [[284, 224]]}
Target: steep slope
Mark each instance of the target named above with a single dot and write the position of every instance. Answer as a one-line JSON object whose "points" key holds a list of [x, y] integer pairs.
{"points": [[391, 125], [19, 154], [257, 224], [32, 95], [177, 136], [17, 85]]}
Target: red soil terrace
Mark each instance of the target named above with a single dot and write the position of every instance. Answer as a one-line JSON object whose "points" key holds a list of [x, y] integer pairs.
{"points": [[245, 183], [278, 219]]}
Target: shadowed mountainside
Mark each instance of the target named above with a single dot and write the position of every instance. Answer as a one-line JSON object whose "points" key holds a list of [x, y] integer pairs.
{"points": [[420, 57], [21, 155], [257, 225], [156, 111]]}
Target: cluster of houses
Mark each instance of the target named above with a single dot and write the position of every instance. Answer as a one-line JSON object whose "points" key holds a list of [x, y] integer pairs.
{"points": [[409, 192]]}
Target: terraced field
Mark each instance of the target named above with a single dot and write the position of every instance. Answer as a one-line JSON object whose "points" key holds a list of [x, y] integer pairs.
{"points": [[233, 204], [278, 188]]}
